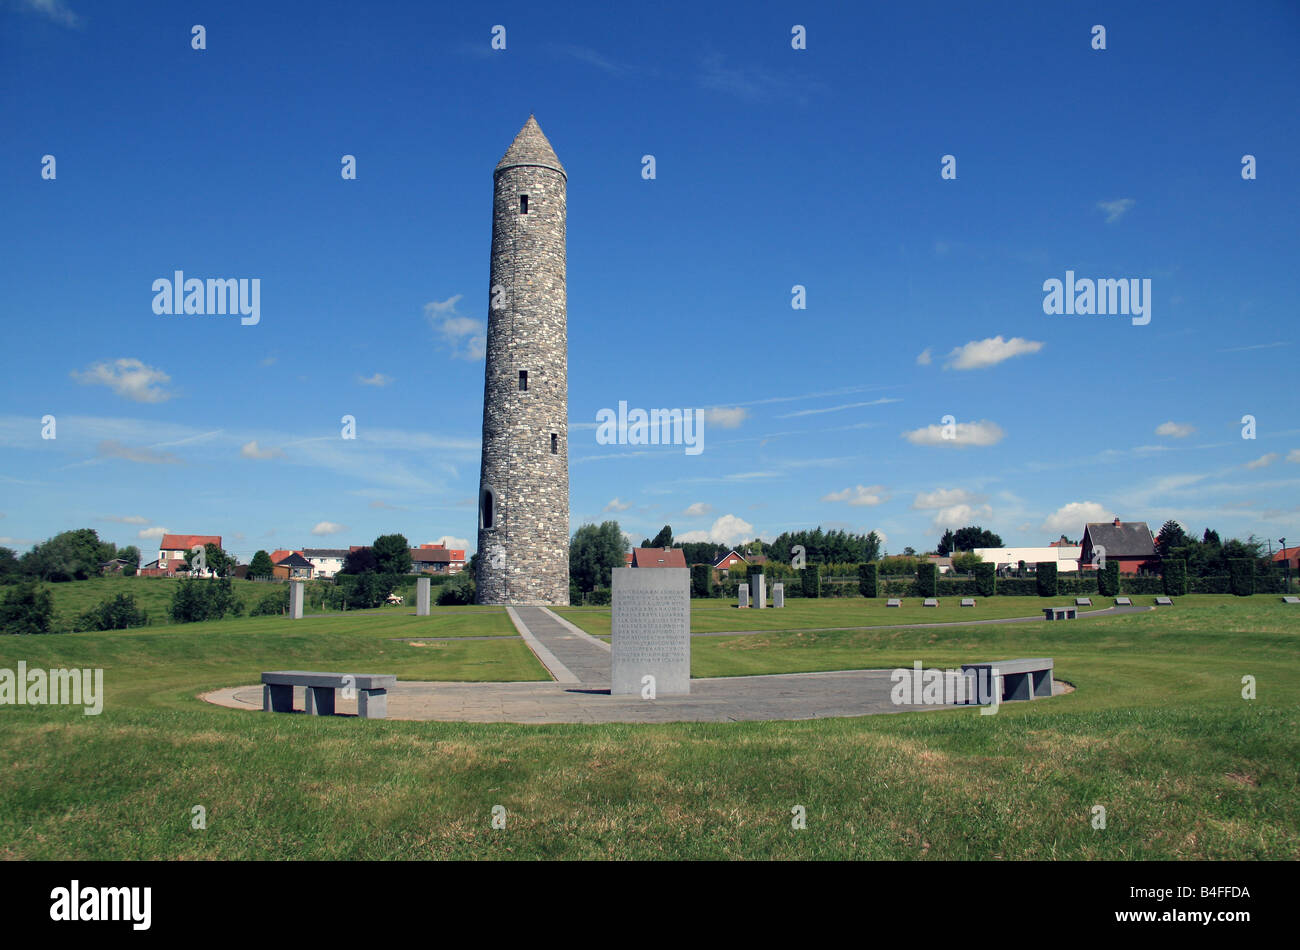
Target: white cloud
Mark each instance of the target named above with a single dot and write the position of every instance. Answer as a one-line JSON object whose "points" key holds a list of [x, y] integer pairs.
{"points": [[945, 497], [112, 448], [378, 379], [728, 530], [924, 359], [56, 11], [152, 533], [1293, 455], [1177, 430], [464, 336], [1116, 209], [129, 378], [1069, 520], [1263, 461], [980, 354], [964, 433], [726, 418], [328, 527], [698, 510], [858, 495], [455, 544], [252, 450], [959, 516], [616, 505]]}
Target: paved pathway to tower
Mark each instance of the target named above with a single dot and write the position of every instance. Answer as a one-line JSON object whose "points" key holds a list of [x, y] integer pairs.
{"points": [[580, 691]]}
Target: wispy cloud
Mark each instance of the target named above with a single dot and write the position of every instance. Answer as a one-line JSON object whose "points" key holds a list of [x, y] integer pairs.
{"points": [[113, 449], [726, 418], [858, 495], [753, 83], [57, 11], [251, 450], [945, 498], [847, 405], [1176, 430], [465, 337], [378, 379], [616, 505], [328, 527], [1256, 346], [1116, 209]]}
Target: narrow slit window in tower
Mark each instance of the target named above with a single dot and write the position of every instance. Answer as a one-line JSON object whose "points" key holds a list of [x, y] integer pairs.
{"points": [[487, 503], [555, 444], [523, 380], [523, 204]]}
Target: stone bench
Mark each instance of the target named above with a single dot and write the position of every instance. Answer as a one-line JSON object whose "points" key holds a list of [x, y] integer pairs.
{"points": [[893, 602], [968, 601], [1060, 613], [1291, 600], [1016, 679], [1164, 602], [1123, 602], [372, 691], [930, 602], [1083, 601]]}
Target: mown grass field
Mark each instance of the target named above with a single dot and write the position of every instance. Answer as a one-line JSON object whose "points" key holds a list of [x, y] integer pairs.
{"points": [[1157, 732]]}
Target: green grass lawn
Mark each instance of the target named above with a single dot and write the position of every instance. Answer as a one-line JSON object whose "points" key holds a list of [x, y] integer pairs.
{"points": [[154, 595], [1157, 732]]}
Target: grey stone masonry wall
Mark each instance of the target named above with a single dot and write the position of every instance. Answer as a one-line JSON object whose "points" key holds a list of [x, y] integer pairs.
{"points": [[524, 476]]}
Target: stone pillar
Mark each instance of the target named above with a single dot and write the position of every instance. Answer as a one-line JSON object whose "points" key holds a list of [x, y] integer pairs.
{"points": [[778, 594], [744, 595], [759, 584], [422, 597], [295, 600]]}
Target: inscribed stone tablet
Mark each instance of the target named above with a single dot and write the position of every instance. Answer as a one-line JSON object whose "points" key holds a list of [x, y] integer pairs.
{"points": [[758, 586], [295, 600], [744, 595], [422, 597], [651, 630], [778, 594]]}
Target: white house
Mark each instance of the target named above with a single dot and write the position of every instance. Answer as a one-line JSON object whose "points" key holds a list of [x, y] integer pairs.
{"points": [[325, 562], [1066, 558]]}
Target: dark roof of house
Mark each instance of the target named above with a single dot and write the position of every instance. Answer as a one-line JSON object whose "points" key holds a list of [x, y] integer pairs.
{"points": [[658, 557], [1127, 539], [294, 560], [431, 555], [324, 552]]}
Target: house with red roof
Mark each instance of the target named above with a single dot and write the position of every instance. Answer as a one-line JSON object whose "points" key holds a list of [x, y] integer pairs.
{"points": [[658, 557], [175, 546]]}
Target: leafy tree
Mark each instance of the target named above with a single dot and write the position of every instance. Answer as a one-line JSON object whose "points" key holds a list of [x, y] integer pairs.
{"points": [[272, 603], [28, 608], [392, 554], [910, 551], [966, 563], [68, 556], [702, 552], [701, 580], [198, 600], [261, 565], [219, 562], [117, 614], [664, 539], [826, 547], [361, 561], [10, 568], [459, 590], [972, 537], [868, 579], [594, 552], [129, 553], [945, 543]]}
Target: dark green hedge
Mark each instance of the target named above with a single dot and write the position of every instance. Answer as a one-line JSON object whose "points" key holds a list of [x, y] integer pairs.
{"points": [[1174, 572], [927, 575], [1214, 584], [1046, 577], [812, 580], [986, 579], [868, 579], [1108, 579], [1017, 587], [1141, 584], [1241, 574], [1076, 585]]}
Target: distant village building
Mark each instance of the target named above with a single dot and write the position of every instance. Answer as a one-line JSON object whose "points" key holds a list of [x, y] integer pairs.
{"points": [[292, 567], [658, 557], [1005, 559], [437, 559], [174, 547], [1128, 542], [325, 562], [729, 560]]}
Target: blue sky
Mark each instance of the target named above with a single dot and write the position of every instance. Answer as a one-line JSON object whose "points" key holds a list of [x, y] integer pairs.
{"points": [[774, 167]]}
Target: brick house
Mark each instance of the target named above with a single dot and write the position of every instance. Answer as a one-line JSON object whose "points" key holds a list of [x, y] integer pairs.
{"points": [[1128, 542], [658, 557]]}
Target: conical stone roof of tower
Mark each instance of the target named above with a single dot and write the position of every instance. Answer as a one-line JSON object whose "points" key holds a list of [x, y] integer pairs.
{"points": [[531, 147]]}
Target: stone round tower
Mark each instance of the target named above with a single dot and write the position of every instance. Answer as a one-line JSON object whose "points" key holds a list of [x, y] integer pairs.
{"points": [[523, 527]]}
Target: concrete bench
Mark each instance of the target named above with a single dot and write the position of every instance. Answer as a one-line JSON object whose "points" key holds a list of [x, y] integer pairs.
{"points": [[930, 602], [1123, 602], [1164, 602], [968, 601], [893, 602], [1083, 601], [1015, 679], [1060, 613], [372, 691], [1291, 600]]}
